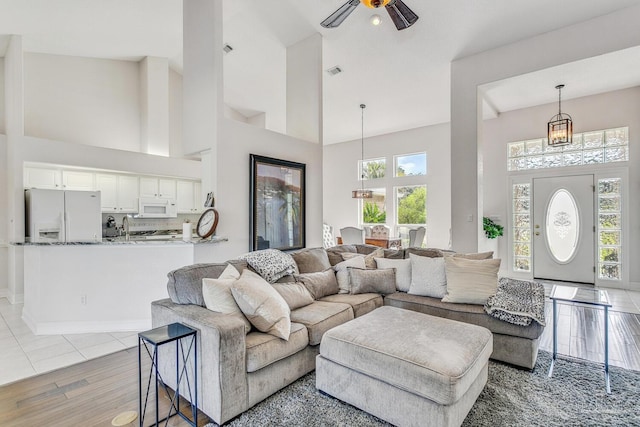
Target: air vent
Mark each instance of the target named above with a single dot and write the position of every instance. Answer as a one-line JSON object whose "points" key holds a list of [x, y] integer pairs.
{"points": [[334, 70], [227, 48]]}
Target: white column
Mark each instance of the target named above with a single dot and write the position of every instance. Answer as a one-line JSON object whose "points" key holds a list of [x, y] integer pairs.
{"points": [[154, 106], [304, 89]]}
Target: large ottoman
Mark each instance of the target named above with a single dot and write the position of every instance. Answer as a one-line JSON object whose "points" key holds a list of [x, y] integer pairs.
{"points": [[408, 368]]}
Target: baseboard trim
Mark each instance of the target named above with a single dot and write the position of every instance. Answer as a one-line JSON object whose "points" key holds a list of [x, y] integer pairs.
{"points": [[15, 299], [59, 328]]}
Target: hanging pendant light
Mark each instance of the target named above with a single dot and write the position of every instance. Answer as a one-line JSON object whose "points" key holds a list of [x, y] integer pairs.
{"points": [[362, 193], [560, 127]]}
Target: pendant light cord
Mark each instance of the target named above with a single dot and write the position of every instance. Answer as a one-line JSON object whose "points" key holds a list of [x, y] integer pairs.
{"points": [[362, 107]]}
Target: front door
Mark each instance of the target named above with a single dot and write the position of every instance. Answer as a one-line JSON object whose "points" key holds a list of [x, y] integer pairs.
{"points": [[563, 228]]}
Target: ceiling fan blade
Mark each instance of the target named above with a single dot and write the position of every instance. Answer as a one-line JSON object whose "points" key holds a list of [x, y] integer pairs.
{"points": [[400, 14], [340, 15]]}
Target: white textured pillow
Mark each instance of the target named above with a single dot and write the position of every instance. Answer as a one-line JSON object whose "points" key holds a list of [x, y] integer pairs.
{"points": [[217, 294], [428, 277], [262, 304], [403, 271], [295, 294], [342, 272], [471, 281]]}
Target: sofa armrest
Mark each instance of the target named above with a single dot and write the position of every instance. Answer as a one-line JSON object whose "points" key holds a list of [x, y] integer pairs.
{"points": [[222, 392]]}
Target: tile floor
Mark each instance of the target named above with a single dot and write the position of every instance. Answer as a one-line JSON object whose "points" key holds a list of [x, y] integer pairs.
{"points": [[23, 354]]}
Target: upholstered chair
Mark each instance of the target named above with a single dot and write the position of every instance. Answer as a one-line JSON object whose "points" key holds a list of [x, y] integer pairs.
{"points": [[352, 235], [416, 237], [328, 240], [380, 232]]}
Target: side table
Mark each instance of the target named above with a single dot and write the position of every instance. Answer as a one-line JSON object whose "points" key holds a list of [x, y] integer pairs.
{"points": [[575, 295], [185, 338]]}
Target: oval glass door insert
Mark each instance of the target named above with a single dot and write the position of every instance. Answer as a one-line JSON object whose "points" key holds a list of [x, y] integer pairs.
{"points": [[562, 226]]}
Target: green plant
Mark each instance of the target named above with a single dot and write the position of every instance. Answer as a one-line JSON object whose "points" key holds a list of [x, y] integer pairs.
{"points": [[491, 229], [371, 214]]}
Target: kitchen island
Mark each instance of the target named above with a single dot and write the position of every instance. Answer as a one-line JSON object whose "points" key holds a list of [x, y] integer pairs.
{"points": [[100, 286]]}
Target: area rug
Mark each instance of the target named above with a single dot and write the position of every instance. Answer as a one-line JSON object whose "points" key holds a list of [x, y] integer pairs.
{"points": [[575, 396]]}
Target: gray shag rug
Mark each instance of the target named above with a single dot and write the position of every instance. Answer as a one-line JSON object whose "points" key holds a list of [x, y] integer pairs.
{"points": [[575, 396]]}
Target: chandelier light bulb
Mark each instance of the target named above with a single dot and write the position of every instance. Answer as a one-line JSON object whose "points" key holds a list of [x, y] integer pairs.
{"points": [[375, 19]]}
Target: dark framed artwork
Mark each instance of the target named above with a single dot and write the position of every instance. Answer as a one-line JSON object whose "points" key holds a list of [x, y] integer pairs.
{"points": [[277, 217]]}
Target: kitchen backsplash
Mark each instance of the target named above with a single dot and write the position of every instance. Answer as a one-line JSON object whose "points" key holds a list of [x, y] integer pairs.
{"points": [[147, 224]]}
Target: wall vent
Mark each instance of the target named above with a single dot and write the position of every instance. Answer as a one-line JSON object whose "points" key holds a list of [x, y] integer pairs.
{"points": [[334, 70]]}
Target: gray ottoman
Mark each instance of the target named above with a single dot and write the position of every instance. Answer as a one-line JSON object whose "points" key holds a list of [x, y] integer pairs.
{"points": [[408, 368]]}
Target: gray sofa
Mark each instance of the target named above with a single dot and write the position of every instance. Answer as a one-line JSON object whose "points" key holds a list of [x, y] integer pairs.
{"points": [[237, 371]]}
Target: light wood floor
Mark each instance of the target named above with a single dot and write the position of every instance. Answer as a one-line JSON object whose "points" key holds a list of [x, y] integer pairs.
{"points": [[94, 392]]}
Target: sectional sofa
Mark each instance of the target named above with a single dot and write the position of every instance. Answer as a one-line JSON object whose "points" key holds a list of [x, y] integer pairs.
{"points": [[239, 369]]}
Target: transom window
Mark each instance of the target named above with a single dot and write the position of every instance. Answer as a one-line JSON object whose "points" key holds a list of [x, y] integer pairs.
{"points": [[603, 146], [411, 164], [372, 169]]}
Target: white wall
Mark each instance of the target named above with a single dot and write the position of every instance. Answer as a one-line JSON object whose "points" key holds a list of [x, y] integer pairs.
{"points": [[604, 111], [82, 100], [2, 106], [237, 141], [3, 218], [175, 114], [341, 177]]}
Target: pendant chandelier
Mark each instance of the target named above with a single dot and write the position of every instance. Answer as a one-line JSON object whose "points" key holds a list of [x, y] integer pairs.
{"points": [[560, 127], [361, 193]]}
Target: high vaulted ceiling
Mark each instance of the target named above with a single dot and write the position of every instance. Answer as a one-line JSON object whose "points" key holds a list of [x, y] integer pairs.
{"points": [[402, 76]]}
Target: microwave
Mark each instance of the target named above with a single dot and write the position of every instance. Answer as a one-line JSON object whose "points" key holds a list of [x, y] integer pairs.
{"points": [[157, 208]]}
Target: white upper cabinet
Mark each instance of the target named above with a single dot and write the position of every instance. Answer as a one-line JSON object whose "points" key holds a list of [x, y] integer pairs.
{"points": [[162, 188], [119, 193], [189, 199], [78, 180], [48, 179]]}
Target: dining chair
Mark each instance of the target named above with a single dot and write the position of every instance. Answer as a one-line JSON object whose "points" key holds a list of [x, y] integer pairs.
{"points": [[416, 237], [380, 231], [327, 236], [352, 235]]}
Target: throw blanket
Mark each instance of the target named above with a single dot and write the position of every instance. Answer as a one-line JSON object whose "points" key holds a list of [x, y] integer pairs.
{"points": [[518, 302], [271, 264]]}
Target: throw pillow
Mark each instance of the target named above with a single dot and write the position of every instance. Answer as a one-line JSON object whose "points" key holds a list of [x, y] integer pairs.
{"points": [[335, 253], [428, 252], [271, 264], [311, 260], [217, 295], [479, 255], [262, 304], [319, 284], [403, 271], [342, 272], [428, 276], [295, 294], [471, 281], [382, 281], [369, 260]]}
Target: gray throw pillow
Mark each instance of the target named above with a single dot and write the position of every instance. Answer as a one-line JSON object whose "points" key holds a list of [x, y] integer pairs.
{"points": [[342, 272], [382, 281], [311, 260], [295, 294], [403, 271], [320, 284], [426, 252]]}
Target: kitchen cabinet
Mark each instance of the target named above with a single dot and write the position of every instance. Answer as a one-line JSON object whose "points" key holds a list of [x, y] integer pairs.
{"points": [[188, 198], [119, 193], [78, 180], [48, 179], [161, 188]]}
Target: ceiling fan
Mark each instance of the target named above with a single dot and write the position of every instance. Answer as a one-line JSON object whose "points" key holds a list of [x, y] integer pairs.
{"points": [[400, 14]]}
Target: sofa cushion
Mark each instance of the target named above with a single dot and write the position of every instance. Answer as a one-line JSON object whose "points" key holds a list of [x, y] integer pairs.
{"points": [[335, 253], [471, 281], [185, 283], [319, 284], [217, 294], [478, 255], [403, 271], [428, 252], [311, 260], [382, 281], [369, 259], [360, 303], [295, 294], [468, 313], [428, 277], [342, 272], [265, 349], [262, 304], [321, 316]]}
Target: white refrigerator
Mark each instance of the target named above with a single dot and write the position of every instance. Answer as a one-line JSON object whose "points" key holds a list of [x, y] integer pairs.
{"points": [[63, 216]]}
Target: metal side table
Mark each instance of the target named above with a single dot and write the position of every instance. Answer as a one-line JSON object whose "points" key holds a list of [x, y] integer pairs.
{"points": [[185, 338], [595, 297]]}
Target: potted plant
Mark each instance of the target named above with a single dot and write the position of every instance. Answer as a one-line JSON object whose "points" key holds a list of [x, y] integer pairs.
{"points": [[491, 229]]}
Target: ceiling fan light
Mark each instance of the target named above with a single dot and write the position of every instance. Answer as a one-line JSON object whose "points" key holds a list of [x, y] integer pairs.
{"points": [[375, 20]]}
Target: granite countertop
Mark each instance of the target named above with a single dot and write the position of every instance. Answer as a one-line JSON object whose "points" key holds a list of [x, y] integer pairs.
{"points": [[121, 241]]}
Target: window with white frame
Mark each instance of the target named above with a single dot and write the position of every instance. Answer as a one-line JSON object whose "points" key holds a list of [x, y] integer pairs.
{"points": [[610, 228], [521, 226], [372, 169], [373, 211], [602, 146], [410, 164], [411, 209]]}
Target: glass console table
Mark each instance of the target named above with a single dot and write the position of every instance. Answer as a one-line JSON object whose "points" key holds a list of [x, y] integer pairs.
{"points": [[594, 297]]}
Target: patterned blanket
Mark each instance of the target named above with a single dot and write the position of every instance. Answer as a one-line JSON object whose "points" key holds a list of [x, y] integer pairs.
{"points": [[517, 301]]}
